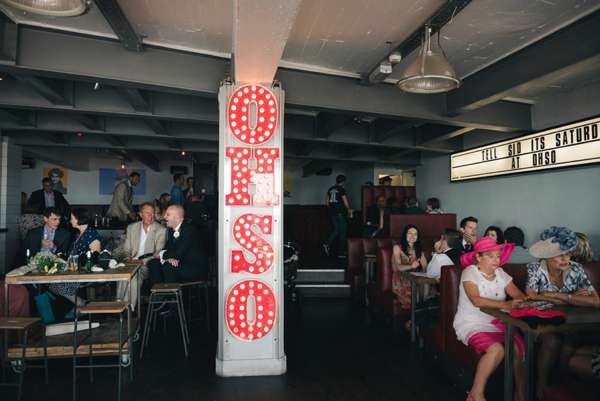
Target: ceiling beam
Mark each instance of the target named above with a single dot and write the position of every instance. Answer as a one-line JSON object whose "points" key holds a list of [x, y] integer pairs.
{"points": [[146, 157], [159, 127], [351, 151], [328, 123], [307, 148], [541, 63], [117, 142], [313, 166], [8, 40], [385, 129], [55, 137], [89, 121], [50, 156], [432, 134], [260, 32], [139, 100], [57, 91], [23, 118], [117, 20]]}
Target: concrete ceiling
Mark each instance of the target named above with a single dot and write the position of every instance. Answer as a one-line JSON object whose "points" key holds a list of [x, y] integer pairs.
{"points": [[162, 100]]}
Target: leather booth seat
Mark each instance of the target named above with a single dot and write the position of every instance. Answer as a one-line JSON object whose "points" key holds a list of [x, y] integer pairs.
{"points": [[581, 390], [431, 226], [355, 266]]}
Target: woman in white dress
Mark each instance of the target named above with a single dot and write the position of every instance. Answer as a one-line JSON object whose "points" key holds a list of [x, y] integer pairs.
{"points": [[483, 283]]}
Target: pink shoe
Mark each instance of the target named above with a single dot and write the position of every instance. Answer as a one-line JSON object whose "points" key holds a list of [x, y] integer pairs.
{"points": [[470, 396]]}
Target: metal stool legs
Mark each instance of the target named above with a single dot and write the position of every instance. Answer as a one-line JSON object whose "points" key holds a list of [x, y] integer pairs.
{"points": [[101, 308], [170, 296], [20, 323]]}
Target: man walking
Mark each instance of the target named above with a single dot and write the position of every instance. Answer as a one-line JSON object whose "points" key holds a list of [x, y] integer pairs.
{"points": [[338, 208], [123, 198]]}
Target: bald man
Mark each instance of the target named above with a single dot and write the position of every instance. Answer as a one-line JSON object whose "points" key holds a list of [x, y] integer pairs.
{"points": [[183, 258]]}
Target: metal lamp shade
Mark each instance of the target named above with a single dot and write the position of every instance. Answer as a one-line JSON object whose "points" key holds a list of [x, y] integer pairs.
{"points": [[429, 72], [54, 8]]}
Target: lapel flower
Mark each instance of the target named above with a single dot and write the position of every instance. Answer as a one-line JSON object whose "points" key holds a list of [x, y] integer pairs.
{"points": [[176, 234]]}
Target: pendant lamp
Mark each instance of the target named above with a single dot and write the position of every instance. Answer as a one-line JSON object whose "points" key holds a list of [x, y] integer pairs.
{"points": [[429, 72], [54, 8]]}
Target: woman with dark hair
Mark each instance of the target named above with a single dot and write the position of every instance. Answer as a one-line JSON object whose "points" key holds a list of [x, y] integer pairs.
{"points": [[495, 233], [161, 208], [406, 256], [87, 239]]}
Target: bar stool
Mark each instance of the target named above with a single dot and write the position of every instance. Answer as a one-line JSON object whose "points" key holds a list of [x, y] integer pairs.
{"points": [[160, 294], [197, 285], [22, 323], [103, 308]]}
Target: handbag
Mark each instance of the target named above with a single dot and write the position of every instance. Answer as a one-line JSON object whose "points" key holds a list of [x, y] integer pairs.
{"points": [[44, 308]]}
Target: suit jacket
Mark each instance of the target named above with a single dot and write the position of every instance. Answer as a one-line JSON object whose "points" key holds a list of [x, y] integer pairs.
{"points": [[37, 197], [373, 215], [155, 241], [121, 201], [33, 242], [187, 248]]}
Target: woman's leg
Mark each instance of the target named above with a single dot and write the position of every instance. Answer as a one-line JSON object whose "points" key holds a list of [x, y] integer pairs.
{"points": [[73, 298], [519, 368], [551, 345], [566, 352], [486, 366]]}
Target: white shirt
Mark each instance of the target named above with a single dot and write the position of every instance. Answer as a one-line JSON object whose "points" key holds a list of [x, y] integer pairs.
{"points": [[49, 199], [143, 238], [434, 269], [469, 319]]}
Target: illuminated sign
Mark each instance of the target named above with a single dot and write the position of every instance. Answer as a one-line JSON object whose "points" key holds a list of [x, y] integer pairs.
{"points": [[250, 232], [570, 145]]}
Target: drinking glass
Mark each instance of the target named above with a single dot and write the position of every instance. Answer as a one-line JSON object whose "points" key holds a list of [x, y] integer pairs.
{"points": [[74, 263]]}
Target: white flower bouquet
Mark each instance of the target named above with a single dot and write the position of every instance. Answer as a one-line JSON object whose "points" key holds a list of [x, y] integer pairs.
{"points": [[47, 262]]}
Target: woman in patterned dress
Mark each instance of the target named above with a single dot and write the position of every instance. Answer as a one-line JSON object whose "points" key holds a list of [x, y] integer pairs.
{"points": [[557, 279], [87, 239], [408, 255]]}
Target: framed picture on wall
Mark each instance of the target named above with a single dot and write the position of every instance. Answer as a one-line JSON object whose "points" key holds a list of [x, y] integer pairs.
{"points": [[109, 178], [59, 177]]}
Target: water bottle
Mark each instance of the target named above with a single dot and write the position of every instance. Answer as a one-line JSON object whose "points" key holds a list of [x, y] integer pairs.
{"points": [[111, 238], [88, 262], [27, 258]]}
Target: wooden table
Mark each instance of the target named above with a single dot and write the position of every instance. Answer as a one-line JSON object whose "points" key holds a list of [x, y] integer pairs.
{"points": [[578, 319], [369, 260], [125, 273], [416, 298]]}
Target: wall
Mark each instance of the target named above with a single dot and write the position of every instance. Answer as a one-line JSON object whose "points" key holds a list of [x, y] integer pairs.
{"points": [[532, 202], [310, 190]]}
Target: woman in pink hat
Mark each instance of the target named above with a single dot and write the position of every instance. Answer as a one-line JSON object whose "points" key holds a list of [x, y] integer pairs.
{"points": [[485, 284]]}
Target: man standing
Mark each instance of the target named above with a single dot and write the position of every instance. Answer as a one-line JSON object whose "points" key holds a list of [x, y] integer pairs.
{"points": [[447, 252], [468, 227], [183, 258], [48, 197], [48, 238], [189, 191], [177, 197], [373, 217], [337, 207], [123, 198], [144, 238]]}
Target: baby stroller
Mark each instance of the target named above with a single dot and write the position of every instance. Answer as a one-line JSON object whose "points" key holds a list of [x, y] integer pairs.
{"points": [[291, 250]]}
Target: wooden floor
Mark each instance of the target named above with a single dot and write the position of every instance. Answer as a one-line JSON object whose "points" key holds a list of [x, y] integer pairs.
{"points": [[334, 353]]}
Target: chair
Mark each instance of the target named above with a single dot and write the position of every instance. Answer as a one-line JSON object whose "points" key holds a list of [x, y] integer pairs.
{"points": [[22, 323], [161, 294], [197, 285], [102, 308]]}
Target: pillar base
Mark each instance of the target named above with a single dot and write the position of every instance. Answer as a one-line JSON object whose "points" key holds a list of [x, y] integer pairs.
{"points": [[251, 367]]}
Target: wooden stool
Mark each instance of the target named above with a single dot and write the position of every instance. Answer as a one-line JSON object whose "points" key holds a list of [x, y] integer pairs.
{"points": [[171, 294], [22, 323], [103, 308], [197, 285]]}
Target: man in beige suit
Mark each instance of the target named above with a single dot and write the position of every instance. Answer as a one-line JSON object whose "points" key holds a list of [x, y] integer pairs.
{"points": [[123, 198], [144, 238]]}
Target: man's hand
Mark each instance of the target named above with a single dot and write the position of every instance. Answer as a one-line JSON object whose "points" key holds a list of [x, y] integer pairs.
{"points": [[173, 262], [48, 244], [469, 238], [157, 254], [131, 215], [437, 247]]}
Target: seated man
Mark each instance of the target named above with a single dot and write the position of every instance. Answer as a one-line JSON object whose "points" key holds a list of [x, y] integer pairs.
{"points": [[373, 216], [413, 206], [447, 252], [48, 238], [520, 255], [144, 238], [468, 227]]}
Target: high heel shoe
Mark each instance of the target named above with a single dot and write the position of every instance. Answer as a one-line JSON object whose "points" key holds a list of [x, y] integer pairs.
{"points": [[76, 309]]}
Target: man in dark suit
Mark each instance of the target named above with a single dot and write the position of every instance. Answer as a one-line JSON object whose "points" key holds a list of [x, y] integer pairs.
{"points": [[48, 197], [195, 209], [373, 216], [48, 238], [183, 258]]}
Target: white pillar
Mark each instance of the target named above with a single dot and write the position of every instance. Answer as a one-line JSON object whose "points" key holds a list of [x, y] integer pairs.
{"points": [[10, 201]]}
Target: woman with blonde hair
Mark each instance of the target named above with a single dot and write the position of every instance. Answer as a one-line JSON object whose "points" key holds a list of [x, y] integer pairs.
{"points": [[583, 250]]}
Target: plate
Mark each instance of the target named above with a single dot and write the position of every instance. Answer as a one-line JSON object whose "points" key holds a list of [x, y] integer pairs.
{"points": [[97, 269]]}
